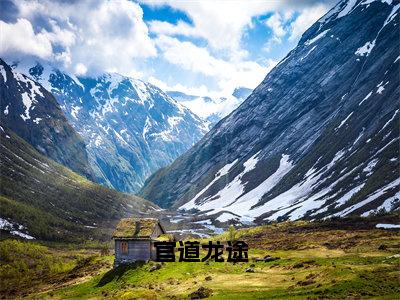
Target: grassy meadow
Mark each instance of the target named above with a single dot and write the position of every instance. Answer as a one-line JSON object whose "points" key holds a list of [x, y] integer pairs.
{"points": [[317, 261]]}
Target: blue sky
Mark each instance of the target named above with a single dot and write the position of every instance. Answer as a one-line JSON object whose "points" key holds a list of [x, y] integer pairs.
{"points": [[198, 47]]}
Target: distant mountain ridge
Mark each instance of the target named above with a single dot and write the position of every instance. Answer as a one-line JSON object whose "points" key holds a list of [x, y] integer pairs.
{"points": [[212, 109], [131, 128], [317, 138]]}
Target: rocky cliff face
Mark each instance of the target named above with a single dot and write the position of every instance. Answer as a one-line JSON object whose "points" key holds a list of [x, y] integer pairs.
{"points": [[34, 114], [131, 128], [318, 137]]}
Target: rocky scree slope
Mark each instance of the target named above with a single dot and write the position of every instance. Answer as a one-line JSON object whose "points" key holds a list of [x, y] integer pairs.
{"points": [[318, 137]]}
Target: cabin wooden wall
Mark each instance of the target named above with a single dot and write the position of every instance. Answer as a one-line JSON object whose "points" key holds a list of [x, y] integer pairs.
{"points": [[138, 250]]}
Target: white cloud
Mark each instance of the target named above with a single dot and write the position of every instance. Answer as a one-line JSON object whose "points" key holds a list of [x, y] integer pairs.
{"points": [[221, 23], [279, 24], [92, 36], [80, 69], [306, 18], [193, 90], [105, 35], [19, 38], [227, 73], [218, 106], [59, 36], [166, 28], [190, 57], [113, 37], [275, 22]]}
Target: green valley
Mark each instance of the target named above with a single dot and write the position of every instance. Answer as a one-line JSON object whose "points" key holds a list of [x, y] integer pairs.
{"points": [[317, 260]]}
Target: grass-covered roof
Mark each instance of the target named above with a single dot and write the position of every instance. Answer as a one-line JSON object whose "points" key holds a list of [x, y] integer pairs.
{"points": [[135, 228], [165, 237]]}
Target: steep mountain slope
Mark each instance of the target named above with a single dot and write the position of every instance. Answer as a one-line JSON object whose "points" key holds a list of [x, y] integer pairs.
{"points": [[44, 200], [212, 109], [33, 113], [318, 137], [131, 128]]}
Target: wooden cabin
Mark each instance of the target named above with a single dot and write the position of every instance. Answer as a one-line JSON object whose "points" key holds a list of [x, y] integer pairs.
{"points": [[134, 239]]}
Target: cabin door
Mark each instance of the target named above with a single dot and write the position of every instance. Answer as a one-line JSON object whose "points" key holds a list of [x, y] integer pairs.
{"points": [[124, 248]]}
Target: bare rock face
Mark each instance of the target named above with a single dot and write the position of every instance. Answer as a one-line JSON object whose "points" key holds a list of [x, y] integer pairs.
{"points": [[318, 137]]}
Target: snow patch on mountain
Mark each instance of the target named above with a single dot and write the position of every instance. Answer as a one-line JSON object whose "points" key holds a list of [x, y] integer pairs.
{"points": [[346, 197], [3, 73], [366, 49], [28, 98], [347, 8], [316, 38], [389, 121], [344, 121], [387, 226], [366, 97], [308, 53], [225, 216], [37, 120], [380, 192], [225, 196], [14, 229], [381, 87], [74, 111], [390, 203], [392, 14], [223, 171], [230, 198], [27, 101], [371, 165]]}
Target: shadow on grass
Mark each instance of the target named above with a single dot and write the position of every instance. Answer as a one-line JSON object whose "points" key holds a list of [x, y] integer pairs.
{"points": [[118, 272]]}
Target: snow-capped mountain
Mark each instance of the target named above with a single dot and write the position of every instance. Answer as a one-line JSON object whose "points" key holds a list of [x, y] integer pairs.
{"points": [[212, 109], [131, 128], [33, 113], [318, 137]]}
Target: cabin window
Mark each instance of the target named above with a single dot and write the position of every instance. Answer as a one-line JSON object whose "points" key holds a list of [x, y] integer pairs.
{"points": [[124, 247]]}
